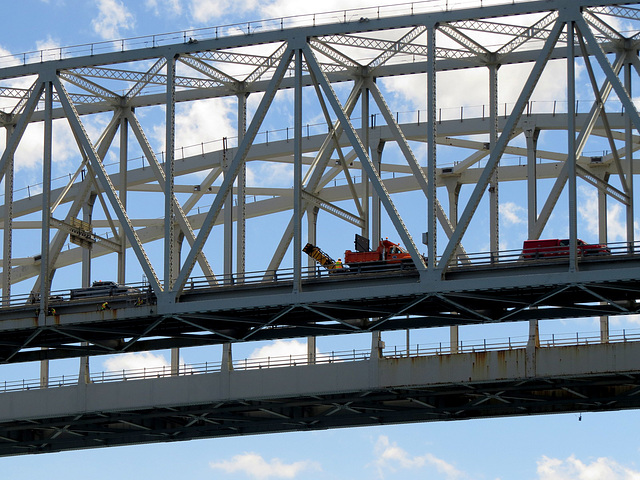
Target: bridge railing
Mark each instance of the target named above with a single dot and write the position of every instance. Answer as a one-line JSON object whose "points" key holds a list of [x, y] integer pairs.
{"points": [[287, 361], [502, 258], [359, 15]]}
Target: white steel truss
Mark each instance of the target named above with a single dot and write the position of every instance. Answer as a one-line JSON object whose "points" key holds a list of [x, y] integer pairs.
{"points": [[202, 190]]}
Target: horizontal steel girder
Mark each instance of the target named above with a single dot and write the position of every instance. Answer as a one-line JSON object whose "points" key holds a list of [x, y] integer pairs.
{"points": [[378, 301], [588, 378]]}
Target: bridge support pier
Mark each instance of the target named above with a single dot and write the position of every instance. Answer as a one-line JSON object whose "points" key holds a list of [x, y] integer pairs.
{"points": [[227, 358]]}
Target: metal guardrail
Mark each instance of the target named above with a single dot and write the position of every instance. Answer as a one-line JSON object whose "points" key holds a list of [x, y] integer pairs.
{"points": [[358, 15], [418, 350], [503, 258]]}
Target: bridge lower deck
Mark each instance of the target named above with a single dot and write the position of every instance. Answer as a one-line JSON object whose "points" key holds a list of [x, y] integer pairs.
{"points": [[367, 392]]}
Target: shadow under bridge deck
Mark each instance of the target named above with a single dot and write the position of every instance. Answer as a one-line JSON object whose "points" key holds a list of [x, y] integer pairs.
{"points": [[332, 305], [374, 391]]}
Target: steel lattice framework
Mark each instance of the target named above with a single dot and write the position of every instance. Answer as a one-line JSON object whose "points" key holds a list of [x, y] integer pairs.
{"points": [[333, 65]]}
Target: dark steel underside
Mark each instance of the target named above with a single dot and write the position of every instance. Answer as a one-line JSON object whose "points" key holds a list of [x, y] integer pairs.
{"points": [[329, 306], [593, 393]]}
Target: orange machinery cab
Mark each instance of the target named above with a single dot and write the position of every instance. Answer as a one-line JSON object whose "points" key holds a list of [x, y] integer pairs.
{"points": [[386, 253]]}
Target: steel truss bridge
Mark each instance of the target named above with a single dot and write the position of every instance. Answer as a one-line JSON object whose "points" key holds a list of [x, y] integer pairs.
{"points": [[184, 217]]}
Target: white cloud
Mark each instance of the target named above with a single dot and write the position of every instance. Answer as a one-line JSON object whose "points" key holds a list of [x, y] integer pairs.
{"points": [[512, 213], [390, 458], [255, 466], [574, 469], [135, 361], [616, 215], [113, 17], [280, 348], [173, 7]]}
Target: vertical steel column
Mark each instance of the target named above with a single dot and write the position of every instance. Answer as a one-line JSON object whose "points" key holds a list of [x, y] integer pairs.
{"points": [[7, 250], [227, 222], [297, 174], [124, 153], [453, 188], [494, 204], [603, 238], [46, 221], [431, 149], [241, 211], [87, 216], [531, 134], [46, 201], [376, 205], [571, 147], [628, 140], [364, 135], [168, 173]]}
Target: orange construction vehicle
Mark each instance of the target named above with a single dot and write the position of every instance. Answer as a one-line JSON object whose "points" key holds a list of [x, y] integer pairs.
{"points": [[388, 254]]}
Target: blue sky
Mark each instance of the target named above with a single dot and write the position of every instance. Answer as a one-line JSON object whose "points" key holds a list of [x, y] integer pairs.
{"points": [[538, 448]]}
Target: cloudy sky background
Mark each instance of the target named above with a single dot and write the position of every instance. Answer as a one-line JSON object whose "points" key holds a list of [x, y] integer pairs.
{"points": [[543, 448]]}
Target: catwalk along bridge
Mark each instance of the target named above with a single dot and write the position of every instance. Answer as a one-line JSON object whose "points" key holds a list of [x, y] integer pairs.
{"points": [[227, 232]]}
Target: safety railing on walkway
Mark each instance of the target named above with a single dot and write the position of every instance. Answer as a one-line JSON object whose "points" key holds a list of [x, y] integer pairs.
{"points": [[343, 356], [359, 15]]}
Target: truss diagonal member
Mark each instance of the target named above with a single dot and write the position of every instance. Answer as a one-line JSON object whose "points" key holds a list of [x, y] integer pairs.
{"points": [[602, 298], [581, 141], [536, 303], [181, 217], [364, 159], [144, 333], [98, 167], [601, 26], [538, 31], [205, 184], [459, 37], [314, 174], [500, 145], [609, 72], [146, 79], [268, 63], [21, 125], [205, 329], [398, 47], [271, 321], [23, 96], [602, 185], [418, 172], [232, 172], [410, 305], [334, 210], [603, 115], [25, 344], [203, 67], [56, 245], [335, 55], [461, 308], [89, 86], [337, 147], [330, 317]]}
